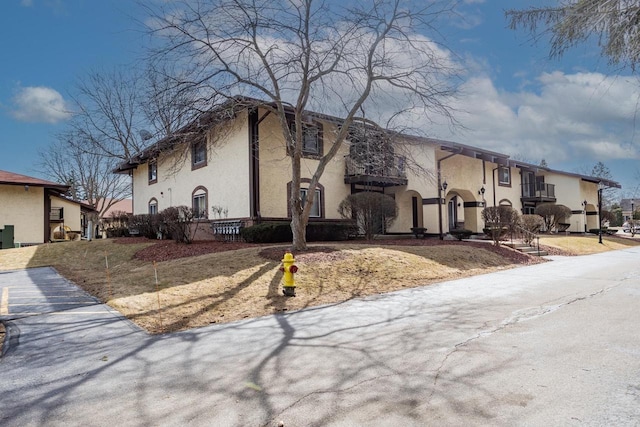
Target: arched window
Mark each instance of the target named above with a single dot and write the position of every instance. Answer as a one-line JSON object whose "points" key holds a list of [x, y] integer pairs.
{"points": [[200, 202], [153, 206], [505, 202], [317, 210]]}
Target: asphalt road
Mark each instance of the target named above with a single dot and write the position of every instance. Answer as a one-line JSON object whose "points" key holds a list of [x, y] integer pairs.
{"points": [[550, 344]]}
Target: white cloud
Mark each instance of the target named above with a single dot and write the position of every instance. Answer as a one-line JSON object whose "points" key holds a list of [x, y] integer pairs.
{"points": [[39, 104], [560, 117]]}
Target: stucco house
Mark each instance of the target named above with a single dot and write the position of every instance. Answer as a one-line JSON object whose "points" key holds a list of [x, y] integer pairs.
{"points": [[242, 168], [36, 208]]}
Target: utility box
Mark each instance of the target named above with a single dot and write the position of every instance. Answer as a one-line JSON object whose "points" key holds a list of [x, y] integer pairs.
{"points": [[6, 237]]}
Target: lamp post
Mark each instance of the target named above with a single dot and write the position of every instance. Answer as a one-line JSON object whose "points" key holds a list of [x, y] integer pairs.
{"points": [[600, 186], [584, 209], [442, 187]]}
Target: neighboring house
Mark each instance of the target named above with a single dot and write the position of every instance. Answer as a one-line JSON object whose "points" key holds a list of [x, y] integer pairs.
{"points": [[628, 206], [243, 170], [106, 219], [36, 207]]}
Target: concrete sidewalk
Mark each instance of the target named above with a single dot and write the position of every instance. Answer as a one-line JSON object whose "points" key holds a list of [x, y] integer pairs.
{"points": [[550, 344]]}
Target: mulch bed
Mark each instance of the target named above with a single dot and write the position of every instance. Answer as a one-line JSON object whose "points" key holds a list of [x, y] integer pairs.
{"points": [[166, 250]]}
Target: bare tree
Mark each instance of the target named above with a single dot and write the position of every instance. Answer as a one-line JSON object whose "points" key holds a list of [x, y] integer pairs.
{"points": [[107, 119], [299, 55], [614, 23], [89, 175]]}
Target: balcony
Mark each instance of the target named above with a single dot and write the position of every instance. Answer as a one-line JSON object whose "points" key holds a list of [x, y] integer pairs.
{"points": [[538, 192], [379, 173], [56, 215]]}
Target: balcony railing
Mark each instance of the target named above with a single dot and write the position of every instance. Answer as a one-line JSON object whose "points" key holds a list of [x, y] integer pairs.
{"points": [[56, 214], [383, 173], [538, 190]]}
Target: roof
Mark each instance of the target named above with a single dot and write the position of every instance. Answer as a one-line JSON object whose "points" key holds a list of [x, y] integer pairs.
{"points": [[125, 205], [200, 125], [83, 205], [10, 178]]}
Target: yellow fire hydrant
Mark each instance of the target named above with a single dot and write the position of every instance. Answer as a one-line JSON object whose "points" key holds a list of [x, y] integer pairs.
{"points": [[289, 269]]}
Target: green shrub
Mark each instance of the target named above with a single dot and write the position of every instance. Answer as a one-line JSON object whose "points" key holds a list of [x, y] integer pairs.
{"points": [[278, 232], [327, 231], [267, 232], [374, 212], [461, 233], [146, 225]]}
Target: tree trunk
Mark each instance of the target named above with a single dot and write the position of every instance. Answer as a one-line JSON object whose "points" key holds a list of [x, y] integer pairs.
{"points": [[299, 231]]}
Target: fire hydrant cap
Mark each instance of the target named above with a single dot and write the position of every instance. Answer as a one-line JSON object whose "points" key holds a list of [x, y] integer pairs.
{"points": [[288, 257]]}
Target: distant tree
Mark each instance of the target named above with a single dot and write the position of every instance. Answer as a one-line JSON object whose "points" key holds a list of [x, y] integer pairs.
{"points": [[373, 212], [613, 23], [616, 212], [609, 194], [89, 175], [543, 163], [553, 214]]}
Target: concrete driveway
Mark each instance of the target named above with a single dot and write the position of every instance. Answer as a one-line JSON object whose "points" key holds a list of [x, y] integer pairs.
{"points": [[550, 344]]}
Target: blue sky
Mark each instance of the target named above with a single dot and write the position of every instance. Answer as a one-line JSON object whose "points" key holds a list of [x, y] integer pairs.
{"points": [[572, 112]]}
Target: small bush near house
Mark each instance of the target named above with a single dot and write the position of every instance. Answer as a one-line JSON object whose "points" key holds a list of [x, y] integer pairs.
{"points": [[331, 231], [118, 224], [146, 225], [373, 212], [532, 224], [267, 232], [499, 220], [279, 232], [461, 233], [553, 214], [177, 221]]}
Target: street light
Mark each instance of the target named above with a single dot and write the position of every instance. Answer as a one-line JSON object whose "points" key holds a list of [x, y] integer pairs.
{"points": [[600, 187]]}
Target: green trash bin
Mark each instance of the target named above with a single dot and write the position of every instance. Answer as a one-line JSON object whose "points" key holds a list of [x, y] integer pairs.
{"points": [[6, 237]]}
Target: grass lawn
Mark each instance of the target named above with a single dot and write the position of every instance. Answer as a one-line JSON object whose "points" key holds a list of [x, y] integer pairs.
{"points": [[212, 282]]}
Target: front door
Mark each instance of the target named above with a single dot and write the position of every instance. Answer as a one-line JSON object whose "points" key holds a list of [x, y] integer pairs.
{"points": [[452, 212]]}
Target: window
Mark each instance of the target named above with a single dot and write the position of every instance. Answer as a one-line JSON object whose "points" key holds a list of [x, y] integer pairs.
{"points": [[153, 172], [504, 176], [199, 154], [199, 203], [315, 209], [318, 208], [312, 139], [153, 206]]}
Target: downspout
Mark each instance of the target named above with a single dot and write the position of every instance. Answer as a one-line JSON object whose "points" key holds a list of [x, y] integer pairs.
{"points": [[440, 193], [493, 178], [254, 161], [46, 235]]}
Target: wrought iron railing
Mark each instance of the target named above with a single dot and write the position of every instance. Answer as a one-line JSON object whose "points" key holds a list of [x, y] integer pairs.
{"points": [[528, 237], [539, 189], [394, 167]]}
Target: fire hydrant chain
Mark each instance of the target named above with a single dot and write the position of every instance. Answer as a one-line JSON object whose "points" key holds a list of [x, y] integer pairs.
{"points": [[288, 280]]}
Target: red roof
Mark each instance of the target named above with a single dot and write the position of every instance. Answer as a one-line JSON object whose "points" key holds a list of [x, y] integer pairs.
{"points": [[125, 205], [11, 178]]}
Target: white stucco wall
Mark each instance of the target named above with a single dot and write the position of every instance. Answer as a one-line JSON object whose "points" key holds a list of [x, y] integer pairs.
{"points": [[71, 213], [24, 210], [421, 183], [225, 177], [275, 172]]}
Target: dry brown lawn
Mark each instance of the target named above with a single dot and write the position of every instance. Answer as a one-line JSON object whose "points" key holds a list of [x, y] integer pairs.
{"points": [[588, 244], [217, 282]]}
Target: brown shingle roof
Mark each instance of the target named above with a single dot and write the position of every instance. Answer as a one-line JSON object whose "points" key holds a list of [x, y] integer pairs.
{"points": [[11, 178]]}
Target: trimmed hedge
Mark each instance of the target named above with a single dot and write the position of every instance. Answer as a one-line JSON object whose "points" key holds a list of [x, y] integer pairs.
{"points": [[279, 232], [461, 233]]}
